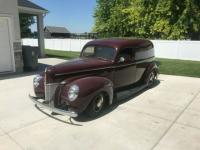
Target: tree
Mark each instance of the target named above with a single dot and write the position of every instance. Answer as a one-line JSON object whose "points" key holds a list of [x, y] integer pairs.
{"points": [[177, 19], [26, 21], [169, 19], [106, 15], [102, 15]]}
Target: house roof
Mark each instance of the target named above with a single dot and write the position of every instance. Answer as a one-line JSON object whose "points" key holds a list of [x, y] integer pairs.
{"points": [[52, 29], [29, 4]]}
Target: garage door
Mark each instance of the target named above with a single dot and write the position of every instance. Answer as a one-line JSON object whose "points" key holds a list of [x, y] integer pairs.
{"points": [[5, 48]]}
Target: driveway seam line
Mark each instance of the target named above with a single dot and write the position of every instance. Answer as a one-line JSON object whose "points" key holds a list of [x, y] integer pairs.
{"points": [[12, 139], [27, 125], [173, 122], [4, 133], [154, 116]]}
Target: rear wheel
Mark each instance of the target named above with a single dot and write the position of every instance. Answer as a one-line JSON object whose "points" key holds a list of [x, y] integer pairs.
{"points": [[96, 107], [151, 79]]}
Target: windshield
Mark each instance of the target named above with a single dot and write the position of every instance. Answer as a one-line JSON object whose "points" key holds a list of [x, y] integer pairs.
{"points": [[100, 52]]}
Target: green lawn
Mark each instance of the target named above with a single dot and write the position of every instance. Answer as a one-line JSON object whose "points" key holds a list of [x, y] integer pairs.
{"points": [[166, 66], [61, 54], [179, 67]]}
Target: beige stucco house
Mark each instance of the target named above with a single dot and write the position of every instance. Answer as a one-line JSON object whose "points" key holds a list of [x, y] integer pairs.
{"points": [[10, 40]]}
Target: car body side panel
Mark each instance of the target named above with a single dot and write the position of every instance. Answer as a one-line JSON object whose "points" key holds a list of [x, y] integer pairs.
{"points": [[143, 58], [124, 74]]}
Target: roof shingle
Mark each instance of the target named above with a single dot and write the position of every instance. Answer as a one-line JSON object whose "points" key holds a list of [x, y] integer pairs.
{"points": [[29, 4], [52, 29]]}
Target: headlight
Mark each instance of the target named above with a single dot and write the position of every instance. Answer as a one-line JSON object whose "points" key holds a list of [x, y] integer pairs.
{"points": [[36, 80], [73, 92]]}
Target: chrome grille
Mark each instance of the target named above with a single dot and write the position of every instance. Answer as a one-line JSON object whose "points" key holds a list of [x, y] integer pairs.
{"points": [[50, 91]]}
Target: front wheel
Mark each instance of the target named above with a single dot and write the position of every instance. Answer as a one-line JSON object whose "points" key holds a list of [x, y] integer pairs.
{"points": [[95, 108]]}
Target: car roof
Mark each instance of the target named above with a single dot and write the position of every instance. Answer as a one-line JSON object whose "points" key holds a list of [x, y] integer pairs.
{"points": [[120, 43]]}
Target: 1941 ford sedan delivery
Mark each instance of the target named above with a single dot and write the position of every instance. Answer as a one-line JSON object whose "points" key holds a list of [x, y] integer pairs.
{"points": [[88, 84]]}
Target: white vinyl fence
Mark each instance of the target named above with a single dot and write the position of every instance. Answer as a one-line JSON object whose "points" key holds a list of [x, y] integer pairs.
{"points": [[59, 44], [185, 50]]}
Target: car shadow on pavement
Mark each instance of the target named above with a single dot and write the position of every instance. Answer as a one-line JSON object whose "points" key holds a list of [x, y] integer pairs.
{"points": [[123, 98]]}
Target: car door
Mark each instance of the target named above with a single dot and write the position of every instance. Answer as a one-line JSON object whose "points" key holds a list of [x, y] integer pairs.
{"points": [[125, 68]]}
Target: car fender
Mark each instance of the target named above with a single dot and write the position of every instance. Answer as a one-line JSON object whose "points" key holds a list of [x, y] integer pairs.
{"points": [[89, 87], [151, 67]]}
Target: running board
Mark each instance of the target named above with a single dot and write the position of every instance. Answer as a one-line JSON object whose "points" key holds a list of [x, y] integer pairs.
{"points": [[124, 94]]}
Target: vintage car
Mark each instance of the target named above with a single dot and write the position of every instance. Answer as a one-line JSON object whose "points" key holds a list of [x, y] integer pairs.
{"points": [[89, 83]]}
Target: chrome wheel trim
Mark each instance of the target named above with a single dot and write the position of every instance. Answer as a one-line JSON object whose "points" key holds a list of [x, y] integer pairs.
{"points": [[98, 103], [151, 78]]}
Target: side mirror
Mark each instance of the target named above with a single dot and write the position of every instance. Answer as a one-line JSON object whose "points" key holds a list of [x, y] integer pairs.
{"points": [[121, 59]]}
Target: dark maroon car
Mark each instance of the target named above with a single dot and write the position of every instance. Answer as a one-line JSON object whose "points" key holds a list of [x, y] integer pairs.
{"points": [[89, 83]]}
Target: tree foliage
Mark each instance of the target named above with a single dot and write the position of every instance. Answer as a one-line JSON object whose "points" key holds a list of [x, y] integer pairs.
{"points": [[26, 21], [155, 19]]}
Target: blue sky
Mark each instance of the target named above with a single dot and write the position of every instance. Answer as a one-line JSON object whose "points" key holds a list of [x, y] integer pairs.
{"points": [[76, 15]]}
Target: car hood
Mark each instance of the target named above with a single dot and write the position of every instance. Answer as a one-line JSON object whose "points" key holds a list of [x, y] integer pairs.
{"points": [[78, 65]]}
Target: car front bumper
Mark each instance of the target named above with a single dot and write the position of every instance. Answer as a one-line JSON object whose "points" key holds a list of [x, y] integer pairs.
{"points": [[41, 103]]}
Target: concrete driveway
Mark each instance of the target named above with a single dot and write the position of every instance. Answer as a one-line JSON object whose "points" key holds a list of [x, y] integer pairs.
{"points": [[166, 117]]}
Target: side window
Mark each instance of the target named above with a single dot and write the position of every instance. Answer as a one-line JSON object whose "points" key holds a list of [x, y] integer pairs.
{"points": [[126, 55], [89, 51]]}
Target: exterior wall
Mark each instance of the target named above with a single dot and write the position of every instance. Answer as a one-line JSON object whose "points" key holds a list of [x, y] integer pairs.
{"points": [[8, 8], [184, 50]]}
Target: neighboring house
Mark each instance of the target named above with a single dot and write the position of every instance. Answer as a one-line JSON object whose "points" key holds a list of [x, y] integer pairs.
{"points": [[10, 41], [90, 35], [56, 32]]}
